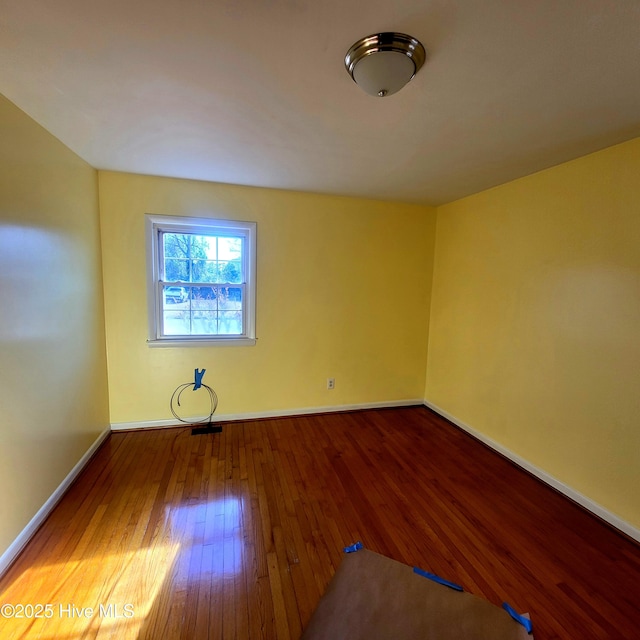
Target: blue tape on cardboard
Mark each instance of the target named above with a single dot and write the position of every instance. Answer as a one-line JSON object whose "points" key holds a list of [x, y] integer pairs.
{"points": [[525, 622], [438, 579]]}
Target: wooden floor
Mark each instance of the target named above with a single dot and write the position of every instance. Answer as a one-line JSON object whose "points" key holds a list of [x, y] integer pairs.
{"points": [[236, 535]]}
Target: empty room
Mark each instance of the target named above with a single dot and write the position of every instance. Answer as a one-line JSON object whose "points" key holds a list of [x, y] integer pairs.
{"points": [[319, 320]]}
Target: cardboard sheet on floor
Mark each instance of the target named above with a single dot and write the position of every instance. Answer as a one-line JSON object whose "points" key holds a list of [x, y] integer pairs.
{"points": [[373, 597]]}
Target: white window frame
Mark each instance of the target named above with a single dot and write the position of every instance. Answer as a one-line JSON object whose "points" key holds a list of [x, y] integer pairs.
{"points": [[158, 224]]}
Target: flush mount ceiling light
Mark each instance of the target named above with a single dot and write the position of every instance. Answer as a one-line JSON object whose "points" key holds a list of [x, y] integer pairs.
{"points": [[381, 64]]}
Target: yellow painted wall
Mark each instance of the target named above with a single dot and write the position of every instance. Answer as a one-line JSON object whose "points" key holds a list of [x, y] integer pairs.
{"points": [[535, 323], [53, 386], [343, 291]]}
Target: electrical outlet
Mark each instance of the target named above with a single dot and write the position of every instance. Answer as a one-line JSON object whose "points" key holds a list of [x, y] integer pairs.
{"points": [[331, 383]]}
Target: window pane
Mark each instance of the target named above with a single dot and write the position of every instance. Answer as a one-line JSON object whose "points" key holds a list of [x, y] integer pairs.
{"points": [[202, 293], [175, 295], [229, 247], [230, 323], [230, 259], [176, 313], [230, 308], [230, 271], [176, 270], [177, 253], [191, 257], [195, 310], [204, 322]]}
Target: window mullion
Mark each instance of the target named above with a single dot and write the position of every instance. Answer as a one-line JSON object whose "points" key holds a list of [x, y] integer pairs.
{"points": [[159, 309]]}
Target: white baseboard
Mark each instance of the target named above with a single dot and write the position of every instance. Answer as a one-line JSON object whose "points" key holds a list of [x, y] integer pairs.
{"points": [[566, 490], [279, 413], [25, 535]]}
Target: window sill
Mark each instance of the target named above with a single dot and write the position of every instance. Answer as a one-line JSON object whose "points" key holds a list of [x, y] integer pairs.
{"points": [[202, 342]]}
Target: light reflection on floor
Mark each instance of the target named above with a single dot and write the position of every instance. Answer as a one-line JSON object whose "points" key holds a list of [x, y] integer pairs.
{"points": [[200, 543], [216, 524], [114, 603]]}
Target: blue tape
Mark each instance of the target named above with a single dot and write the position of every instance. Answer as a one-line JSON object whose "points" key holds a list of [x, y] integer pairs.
{"points": [[354, 547], [525, 622], [198, 379], [438, 579]]}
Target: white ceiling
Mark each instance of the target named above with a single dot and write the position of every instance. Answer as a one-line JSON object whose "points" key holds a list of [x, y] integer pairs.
{"points": [[256, 92]]}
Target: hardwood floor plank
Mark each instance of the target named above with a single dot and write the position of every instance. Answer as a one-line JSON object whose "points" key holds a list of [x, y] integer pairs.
{"points": [[277, 595], [237, 534]]}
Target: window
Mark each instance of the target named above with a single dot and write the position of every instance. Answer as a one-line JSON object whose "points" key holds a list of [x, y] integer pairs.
{"points": [[201, 281]]}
